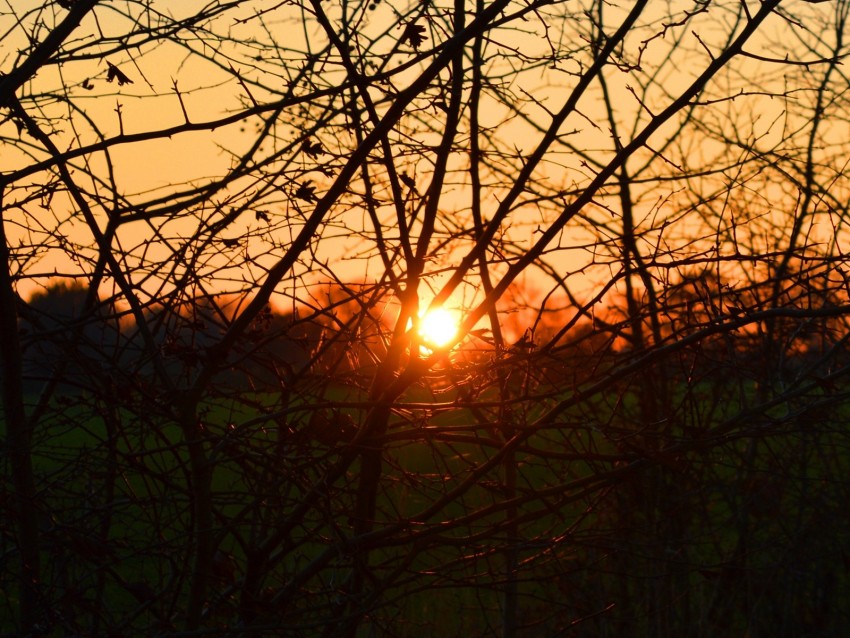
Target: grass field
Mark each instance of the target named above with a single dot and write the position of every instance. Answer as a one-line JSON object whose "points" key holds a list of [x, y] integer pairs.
{"points": [[601, 534]]}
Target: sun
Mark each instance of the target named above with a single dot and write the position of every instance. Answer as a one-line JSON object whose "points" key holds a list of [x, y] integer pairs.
{"points": [[438, 327]]}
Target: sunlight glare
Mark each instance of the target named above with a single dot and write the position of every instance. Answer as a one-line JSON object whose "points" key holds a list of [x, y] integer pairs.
{"points": [[438, 327]]}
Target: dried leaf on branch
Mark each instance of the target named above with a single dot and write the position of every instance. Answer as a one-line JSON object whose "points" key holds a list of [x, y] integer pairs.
{"points": [[114, 73], [414, 35]]}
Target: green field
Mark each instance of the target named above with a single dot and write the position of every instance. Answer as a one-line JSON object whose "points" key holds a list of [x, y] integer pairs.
{"points": [[600, 536]]}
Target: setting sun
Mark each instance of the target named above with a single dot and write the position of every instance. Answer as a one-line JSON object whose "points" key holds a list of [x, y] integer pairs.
{"points": [[438, 327]]}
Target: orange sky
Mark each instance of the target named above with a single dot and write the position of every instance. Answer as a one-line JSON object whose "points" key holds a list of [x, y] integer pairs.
{"points": [[155, 167]]}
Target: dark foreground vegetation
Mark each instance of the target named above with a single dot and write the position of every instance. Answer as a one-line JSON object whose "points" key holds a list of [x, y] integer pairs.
{"points": [[596, 489]]}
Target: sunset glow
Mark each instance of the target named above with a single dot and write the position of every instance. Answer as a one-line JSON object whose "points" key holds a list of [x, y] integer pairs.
{"points": [[438, 327], [433, 317]]}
